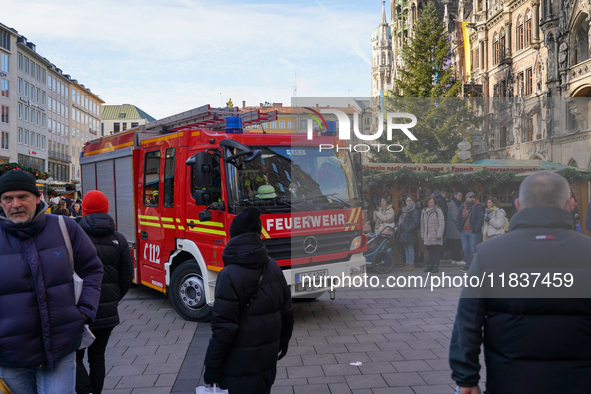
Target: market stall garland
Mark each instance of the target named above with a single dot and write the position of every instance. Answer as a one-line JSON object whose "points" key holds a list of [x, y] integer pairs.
{"points": [[375, 177], [15, 166]]}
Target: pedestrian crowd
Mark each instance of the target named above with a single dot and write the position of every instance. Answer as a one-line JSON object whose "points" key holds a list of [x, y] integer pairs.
{"points": [[441, 219]]}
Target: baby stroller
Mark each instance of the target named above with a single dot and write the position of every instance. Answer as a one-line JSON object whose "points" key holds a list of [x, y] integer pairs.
{"points": [[380, 248]]}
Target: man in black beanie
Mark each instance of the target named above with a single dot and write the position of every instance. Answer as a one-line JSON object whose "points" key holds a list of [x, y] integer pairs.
{"points": [[42, 324], [252, 314]]}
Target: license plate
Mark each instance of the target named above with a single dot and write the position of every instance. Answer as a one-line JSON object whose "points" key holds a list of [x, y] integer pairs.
{"points": [[315, 276]]}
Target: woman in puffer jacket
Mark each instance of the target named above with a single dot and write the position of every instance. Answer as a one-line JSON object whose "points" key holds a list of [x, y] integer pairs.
{"points": [[384, 217], [494, 219], [432, 228]]}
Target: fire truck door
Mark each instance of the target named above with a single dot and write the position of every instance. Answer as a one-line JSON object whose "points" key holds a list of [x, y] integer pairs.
{"points": [[156, 214]]}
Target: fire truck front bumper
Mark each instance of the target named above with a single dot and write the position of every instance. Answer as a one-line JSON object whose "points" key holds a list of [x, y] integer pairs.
{"points": [[312, 282]]}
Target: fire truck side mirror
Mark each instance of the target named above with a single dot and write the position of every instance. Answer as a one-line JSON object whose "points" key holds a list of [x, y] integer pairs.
{"points": [[358, 168], [202, 197], [202, 162]]}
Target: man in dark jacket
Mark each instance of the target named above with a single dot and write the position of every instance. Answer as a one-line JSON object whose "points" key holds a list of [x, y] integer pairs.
{"points": [[469, 221], [114, 252], [252, 314], [531, 344], [40, 323]]}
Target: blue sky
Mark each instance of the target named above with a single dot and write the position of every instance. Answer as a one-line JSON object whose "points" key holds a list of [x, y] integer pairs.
{"points": [[168, 56]]}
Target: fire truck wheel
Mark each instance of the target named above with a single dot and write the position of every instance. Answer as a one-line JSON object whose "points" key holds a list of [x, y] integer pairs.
{"points": [[187, 292]]}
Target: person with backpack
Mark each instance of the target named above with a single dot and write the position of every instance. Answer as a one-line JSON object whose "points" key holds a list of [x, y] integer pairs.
{"points": [[252, 315], [494, 219], [470, 220], [114, 252]]}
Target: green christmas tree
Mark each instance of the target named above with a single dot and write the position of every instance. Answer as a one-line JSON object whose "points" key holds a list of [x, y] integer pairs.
{"points": [[426, 87]]}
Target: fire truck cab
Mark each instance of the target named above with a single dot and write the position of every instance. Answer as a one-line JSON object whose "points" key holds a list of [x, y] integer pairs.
{"points": [[175, 185]]}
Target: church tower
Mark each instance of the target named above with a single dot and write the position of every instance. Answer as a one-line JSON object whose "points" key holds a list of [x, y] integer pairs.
{"points": [[382, 57]]}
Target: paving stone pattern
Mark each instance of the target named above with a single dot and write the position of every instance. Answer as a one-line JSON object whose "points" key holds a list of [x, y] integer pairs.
{"points": [[401, 337]]}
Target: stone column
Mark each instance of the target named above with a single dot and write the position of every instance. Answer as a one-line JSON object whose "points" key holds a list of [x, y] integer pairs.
{"points": [[482, 51], [535, 22], [486, 54], [508, 51], [477, 4]]}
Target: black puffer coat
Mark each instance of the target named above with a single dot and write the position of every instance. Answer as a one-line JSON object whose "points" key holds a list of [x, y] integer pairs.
{"points": [[531, 345], [246, 340], [112, 249]]}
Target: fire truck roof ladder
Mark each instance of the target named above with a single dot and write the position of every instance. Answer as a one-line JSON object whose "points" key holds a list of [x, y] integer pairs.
{"points": [[206, 117]]}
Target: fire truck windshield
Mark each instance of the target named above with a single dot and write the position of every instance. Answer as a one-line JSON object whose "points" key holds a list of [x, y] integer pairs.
{"points": [[294, 178]]}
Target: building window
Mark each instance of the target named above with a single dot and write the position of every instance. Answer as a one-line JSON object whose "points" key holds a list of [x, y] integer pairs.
{"points": [[26, 92], [4, 88], [282, 124], [503, 139], [273, 124], [5, 41], [20, 111], [32, 69], [124, 126], [5, 140], [19, 61], [476, 58], [290, 124], [303, 124], [26, 137], [4, 62], [19, 86], [19, 135], [4, 118], [134, 125], [496, 49], [26, 113], [529, 83], [530, 129], [116, 127], [528, 28]]}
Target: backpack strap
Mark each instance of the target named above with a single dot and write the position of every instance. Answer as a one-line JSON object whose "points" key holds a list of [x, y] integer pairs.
{"points": [[67, 241]]}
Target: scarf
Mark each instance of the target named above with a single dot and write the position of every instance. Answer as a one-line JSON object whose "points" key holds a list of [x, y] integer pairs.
{"points": [[490, 211], [470, 204], [409, 208], [429, 211]]}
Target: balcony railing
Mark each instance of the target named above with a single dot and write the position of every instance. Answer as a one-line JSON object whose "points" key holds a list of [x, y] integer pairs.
{"points": [[59, 156]]}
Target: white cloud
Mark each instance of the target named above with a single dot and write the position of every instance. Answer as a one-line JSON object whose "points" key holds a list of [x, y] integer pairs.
{"points": [[169, 56]]}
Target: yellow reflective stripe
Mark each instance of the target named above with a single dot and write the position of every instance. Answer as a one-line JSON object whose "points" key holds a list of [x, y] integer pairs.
{"points": [[168, 137], [150, 224], [208, 231], [178, 220], [265, 233], [169, 226], [213, 224], [214, 268], [195, 133], [357, 216], [108, 149], [152, 286], [149, 217], [350, 219], [181, 228], [167, 219]]}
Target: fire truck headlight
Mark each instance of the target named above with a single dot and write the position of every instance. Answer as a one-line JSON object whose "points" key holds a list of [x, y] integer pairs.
{"points": [[356, 243]]}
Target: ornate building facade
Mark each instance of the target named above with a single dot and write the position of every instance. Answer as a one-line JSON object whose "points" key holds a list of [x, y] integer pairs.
{"points": [[530, 61]]}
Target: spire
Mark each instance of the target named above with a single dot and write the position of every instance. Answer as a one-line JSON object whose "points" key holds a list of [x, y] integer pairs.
{"points": [[383, 37]]}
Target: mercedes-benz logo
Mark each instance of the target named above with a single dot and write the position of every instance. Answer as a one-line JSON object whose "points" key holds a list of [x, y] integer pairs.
{"points": [[310, 245]]}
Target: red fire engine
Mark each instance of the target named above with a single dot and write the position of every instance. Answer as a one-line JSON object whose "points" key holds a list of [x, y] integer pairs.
{"points": [[174, 186]]}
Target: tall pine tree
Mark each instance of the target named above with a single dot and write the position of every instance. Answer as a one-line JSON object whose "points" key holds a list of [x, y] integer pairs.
{"points": [[427, 88]]}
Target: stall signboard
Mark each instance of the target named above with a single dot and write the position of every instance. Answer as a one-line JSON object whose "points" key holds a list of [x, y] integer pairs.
{"points": [[446, 167]]}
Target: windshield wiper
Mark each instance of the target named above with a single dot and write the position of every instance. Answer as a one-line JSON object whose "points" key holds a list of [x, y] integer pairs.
{"points": [[334, 197]]}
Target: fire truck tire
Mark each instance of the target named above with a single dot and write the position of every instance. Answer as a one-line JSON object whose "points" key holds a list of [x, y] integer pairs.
{"points": [[187, 292]]}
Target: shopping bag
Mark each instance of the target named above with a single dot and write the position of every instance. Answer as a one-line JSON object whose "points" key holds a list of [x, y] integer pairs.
{"points": [[87, 337], [4, 388], [207, 389]]}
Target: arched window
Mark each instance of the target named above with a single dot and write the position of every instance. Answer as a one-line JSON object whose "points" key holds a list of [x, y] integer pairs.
{"points": [[582, 42], [519, 33], [572, 163], [502, 45], [496, 49], [527, 28]]}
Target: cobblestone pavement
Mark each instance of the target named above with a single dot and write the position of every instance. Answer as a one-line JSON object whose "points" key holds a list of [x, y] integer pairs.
{"points": [[400, 337]]}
